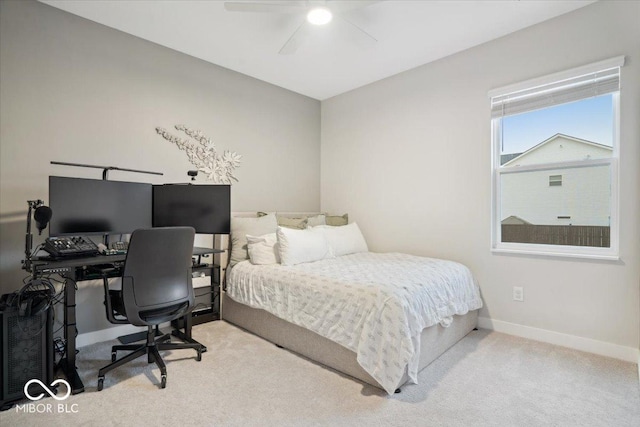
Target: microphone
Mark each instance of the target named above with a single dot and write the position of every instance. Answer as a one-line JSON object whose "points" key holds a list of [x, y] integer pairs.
{"points": [[42, 215]]}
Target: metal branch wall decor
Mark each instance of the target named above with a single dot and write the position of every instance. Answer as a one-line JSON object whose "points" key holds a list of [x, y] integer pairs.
{"points": [[203, 155]]}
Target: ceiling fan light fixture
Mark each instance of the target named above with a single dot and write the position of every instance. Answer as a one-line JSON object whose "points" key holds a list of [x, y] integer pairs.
{"points": [[319, 16]]}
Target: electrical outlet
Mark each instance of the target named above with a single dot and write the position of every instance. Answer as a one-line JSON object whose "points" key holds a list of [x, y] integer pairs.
{"points": [[518, 293]]}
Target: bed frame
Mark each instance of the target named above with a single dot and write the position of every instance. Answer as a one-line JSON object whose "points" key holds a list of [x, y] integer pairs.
{"points": [[434, 340]]}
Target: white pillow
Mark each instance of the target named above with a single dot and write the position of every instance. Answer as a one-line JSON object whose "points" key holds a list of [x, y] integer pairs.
{"points": [[343, 240], [315, 220], [240, 227], [298, 246], [263, 249]]}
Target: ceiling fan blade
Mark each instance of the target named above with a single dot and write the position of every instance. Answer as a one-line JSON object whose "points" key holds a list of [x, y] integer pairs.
{"points": [[234, 6], [346, 6], [295, 41], [360, 36]]}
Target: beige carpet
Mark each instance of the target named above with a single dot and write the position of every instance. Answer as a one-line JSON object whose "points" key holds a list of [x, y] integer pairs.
{"points": [[487, 379]]}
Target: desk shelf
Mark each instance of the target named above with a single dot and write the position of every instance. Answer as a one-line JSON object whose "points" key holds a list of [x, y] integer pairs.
{"points": [[207, 298]]}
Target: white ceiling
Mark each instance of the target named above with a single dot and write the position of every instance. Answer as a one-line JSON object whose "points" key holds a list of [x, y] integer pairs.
{"points": [[332, 60]]}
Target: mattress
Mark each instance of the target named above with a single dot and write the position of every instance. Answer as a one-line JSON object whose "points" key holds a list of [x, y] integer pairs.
{"points": [[375, 305]]}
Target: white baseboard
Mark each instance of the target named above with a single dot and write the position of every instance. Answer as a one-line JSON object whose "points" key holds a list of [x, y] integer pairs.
{"points": [[628, 354]]}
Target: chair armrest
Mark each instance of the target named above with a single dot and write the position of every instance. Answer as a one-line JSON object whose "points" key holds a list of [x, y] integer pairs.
{"points": [[107, 300]]}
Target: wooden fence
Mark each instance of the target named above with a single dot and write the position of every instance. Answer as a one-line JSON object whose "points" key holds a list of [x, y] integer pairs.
{"points": [[572, 235]]}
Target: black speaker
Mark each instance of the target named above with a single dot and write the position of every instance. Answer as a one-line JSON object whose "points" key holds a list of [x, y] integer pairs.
{"points": [[27, 352]]}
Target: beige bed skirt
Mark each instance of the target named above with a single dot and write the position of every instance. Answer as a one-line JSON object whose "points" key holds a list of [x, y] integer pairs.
{"points": [[434, 341]]}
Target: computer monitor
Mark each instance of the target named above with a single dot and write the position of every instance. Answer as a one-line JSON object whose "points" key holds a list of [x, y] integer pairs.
{"points": [[207, 208], [90, 206]]}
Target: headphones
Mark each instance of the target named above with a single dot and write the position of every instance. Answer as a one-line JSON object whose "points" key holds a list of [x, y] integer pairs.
{"points": [[33, 299]]}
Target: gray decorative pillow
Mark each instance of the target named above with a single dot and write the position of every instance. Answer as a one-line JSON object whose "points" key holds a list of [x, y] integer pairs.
{"points": [[337, 220], [289, 222], [298, 223], [240, 227]]}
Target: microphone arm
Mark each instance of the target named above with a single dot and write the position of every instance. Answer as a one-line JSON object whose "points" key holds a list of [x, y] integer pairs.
{"points": [[28, 245]]}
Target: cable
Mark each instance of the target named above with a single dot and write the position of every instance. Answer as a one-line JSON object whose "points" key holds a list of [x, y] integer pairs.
{"points": [[37, 249], [60, 347], [34, 289]]}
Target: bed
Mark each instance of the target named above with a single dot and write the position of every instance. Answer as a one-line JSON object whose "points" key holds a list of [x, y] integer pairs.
{"points": [[380, 318]]}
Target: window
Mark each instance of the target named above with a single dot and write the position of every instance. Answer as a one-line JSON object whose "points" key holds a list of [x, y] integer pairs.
{"points": [[555, 158]]}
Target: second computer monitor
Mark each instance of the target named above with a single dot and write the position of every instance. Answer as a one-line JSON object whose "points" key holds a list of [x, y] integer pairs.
{"points": [[207, 208]]}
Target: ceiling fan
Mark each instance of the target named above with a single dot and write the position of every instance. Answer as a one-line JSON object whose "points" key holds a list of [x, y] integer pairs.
{"points": [[316, 13]]}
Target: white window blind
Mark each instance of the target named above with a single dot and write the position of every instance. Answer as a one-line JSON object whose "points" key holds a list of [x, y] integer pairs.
{"points": [[598, 79]]}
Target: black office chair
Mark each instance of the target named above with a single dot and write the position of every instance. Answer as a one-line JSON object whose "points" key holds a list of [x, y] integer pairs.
{"points": [[156, 288]]}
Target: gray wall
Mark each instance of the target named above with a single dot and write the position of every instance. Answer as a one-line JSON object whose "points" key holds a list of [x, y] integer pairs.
{"points": [[75, 91], [409, 158]]}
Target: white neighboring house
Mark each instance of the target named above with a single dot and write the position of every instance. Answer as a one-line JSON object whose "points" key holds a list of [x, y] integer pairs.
{"points": [[572, 196]]}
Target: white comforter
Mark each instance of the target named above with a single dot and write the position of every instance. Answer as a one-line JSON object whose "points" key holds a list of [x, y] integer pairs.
{"points": [[374, 304]]}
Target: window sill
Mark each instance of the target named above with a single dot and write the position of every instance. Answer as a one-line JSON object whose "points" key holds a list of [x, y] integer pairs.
{"points": [[550, 252]]}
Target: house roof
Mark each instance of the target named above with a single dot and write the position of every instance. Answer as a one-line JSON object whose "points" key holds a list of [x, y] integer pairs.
{"points": [[505, 158], [547, 141]]}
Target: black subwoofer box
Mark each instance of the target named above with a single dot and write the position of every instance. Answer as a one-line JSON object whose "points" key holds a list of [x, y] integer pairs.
{"points": [[27, 352]]}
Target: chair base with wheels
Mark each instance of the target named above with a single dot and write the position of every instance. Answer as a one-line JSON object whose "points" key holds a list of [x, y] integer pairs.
{"points": [[151, 348]]}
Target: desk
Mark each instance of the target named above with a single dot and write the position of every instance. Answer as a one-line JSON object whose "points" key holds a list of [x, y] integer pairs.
{"points": [[74, 269]]}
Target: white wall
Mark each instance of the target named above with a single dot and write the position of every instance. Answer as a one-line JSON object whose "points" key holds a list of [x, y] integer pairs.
{"points": [[409, 158], [75, 91], [584, 196]]}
